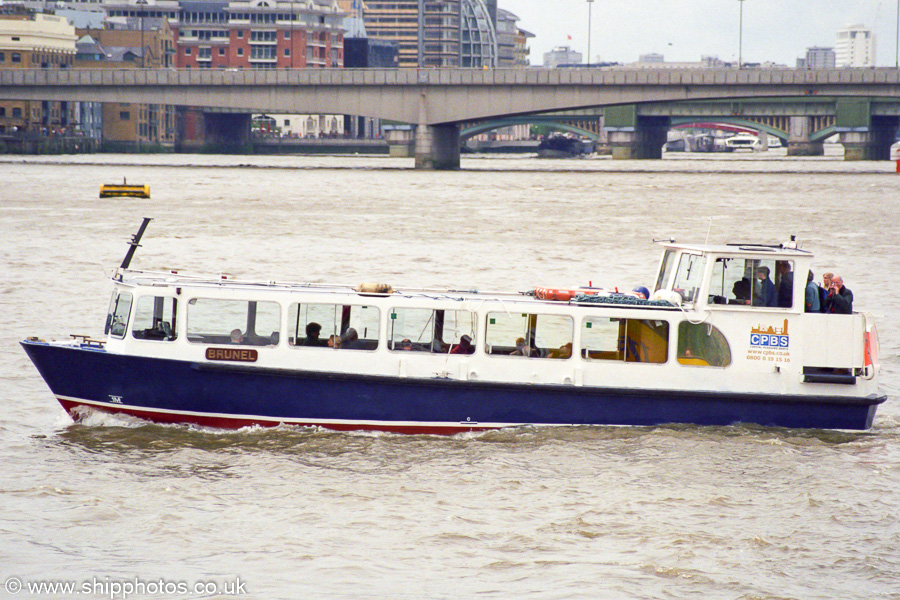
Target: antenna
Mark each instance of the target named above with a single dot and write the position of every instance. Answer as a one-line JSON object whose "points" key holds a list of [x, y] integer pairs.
{"points": [[706, 241], [135, 243]]}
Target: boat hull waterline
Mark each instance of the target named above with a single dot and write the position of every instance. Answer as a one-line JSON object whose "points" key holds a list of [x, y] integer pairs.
{"points": [[234, 396]]}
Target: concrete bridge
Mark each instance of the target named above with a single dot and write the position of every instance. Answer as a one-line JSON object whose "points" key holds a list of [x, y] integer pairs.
{"points": [[867, 101]]}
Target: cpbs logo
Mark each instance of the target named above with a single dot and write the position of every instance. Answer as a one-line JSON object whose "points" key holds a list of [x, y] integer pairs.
{"points": [[767, 340], [769, 337]]}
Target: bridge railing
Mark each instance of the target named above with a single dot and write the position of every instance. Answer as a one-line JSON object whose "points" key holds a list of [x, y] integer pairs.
{"points": [[447, 77]]}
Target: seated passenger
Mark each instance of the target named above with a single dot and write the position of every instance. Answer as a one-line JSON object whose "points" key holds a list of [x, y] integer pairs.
{"points": [[350, 340], [404, 344], [464, 346], [334, 342], [313, 330], [522, 348], [564, 351], [741, 291], [236, 336]]}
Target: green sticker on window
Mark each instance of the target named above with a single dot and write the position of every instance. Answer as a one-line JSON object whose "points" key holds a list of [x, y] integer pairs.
{"points": [[588, 325], [493, 321]]}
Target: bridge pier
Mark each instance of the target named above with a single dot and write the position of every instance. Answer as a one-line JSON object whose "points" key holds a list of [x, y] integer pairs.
{"points": [[631, 136], [874, 144], [227, 131], [798, 143], [437, 147]]}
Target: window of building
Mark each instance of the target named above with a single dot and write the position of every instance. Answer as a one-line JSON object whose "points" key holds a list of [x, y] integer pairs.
{"points": [[221, 51], [427, 330], [2, 57], [240, 51], [187, 51], [528, 335], [287, 51], [16, 112], [154, 318], [15, 57], [244, 322], [627, 340], [337, 326], [125, 115], [240, 33], [702, 345]]}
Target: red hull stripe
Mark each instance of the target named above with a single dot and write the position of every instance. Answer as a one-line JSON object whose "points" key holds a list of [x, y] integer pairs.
{"points": [[223, 421]]}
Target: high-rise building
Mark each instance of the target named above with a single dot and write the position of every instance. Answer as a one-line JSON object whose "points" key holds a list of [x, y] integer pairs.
{"points": [[818, 57], [855, 47], [561, 55], [436, 33]]}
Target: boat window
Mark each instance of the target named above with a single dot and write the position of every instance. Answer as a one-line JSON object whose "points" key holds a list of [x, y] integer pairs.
{"points": [[154, 318], [243, 322], [537, 336], [665, 269], [627, 340], [752, 282], [117, 318], [427, 330], [689, 276], [337, 326], [702, 345]]}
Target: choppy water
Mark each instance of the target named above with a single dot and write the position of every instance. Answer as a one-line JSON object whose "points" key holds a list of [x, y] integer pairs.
{"points": [[671, 512]]}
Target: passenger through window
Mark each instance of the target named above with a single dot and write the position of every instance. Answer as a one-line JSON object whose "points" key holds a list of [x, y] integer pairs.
{"points": [[154, 318], [752, 282], [627, 340], [702, 345], [426, 330], [530, 335], [241, 322], [336, 326]]}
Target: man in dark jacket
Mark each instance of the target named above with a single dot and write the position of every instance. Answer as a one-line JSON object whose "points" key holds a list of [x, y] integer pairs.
{"points": [[840, 298]]}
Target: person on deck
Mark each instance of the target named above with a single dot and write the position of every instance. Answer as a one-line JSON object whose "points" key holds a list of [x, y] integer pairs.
{"points": [[840, 298], [766, 295], [811, 294]]}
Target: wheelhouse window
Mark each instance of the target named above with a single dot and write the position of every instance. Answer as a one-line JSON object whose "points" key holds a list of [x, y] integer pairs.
{"points": [[626, 340], [665, 269], [528, 335], [335, 326], [751, 282], [117, 317], [427, 330], [154, 318], [689, 276], [241, 322], [702, 345]]}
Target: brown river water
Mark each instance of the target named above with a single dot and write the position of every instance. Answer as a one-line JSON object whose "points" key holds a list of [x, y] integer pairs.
{"points": [[124, 509]]}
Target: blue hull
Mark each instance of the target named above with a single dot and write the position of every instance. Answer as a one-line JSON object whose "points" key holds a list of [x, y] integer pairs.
{"points": [[233, 396]]}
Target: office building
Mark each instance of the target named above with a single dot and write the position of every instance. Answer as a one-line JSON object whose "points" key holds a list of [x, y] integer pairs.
{"points": [[855, 47]]}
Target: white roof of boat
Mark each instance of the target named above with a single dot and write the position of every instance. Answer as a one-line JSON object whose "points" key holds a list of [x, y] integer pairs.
{"points": [[737, 249]]}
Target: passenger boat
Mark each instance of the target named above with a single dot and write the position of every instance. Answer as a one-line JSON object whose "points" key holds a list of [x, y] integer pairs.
{"points": [[561, 146], [124, 189], [743, 141], [703, 349]]}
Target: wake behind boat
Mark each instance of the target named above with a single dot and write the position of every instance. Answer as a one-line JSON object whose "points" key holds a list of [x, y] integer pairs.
{"points": [[229, 353]]}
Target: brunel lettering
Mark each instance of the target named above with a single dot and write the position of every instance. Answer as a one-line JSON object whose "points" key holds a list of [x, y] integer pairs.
{"points": [[232, 354]]}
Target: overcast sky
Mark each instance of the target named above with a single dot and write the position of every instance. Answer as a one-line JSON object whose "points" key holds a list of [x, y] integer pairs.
{"points": [[684, 30]]}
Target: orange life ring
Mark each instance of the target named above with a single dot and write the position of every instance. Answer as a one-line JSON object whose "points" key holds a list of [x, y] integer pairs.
{"points": [[563, 295]]}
